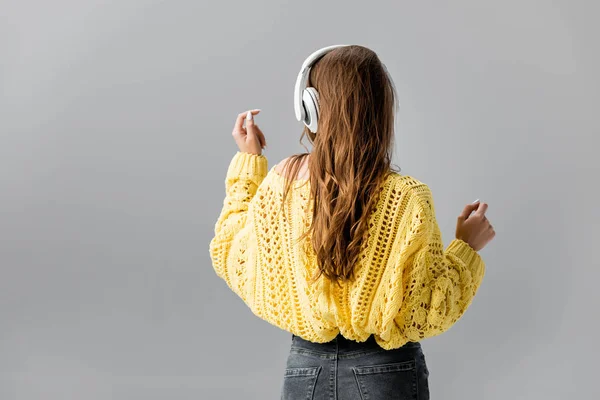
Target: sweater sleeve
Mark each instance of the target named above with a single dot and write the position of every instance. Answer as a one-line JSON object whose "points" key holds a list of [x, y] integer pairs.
{"points": [[245, 174], [437, 285]]}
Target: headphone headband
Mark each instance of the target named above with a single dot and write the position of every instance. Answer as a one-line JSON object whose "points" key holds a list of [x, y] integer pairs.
{"points": [[303, 78]]}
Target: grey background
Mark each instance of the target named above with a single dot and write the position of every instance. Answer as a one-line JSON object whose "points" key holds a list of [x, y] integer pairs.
{"points": [[115, 128]]}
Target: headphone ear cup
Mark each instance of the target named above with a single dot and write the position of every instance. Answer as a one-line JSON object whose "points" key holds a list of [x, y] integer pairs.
{"points": [[310, 101]]}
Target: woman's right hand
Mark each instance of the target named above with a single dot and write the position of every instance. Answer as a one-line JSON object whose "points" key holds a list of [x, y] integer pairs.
{"points": [[473, 227]]}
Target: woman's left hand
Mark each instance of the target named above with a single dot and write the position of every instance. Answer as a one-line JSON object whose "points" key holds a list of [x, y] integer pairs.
{"points": [[250, 138]]}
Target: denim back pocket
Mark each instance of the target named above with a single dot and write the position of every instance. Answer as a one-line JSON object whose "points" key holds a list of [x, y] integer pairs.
{"points": [[299, 383], [387, 381]]}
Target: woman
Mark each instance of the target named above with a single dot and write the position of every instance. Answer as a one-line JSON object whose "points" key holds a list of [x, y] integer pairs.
{"points": [[340, 250]]}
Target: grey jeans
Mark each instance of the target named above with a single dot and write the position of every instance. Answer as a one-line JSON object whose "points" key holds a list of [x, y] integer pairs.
{"points": [[343, 369]]}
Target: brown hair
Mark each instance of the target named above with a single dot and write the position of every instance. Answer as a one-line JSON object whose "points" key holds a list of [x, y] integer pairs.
{"points": [[351, 156]]}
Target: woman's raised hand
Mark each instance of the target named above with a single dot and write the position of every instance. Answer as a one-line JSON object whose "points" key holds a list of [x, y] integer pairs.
{"points": [[250, 138], [473, 227]]}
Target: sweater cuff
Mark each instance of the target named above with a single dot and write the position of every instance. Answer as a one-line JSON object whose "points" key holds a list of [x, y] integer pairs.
{"points": [[248, 166], [468, 255]]}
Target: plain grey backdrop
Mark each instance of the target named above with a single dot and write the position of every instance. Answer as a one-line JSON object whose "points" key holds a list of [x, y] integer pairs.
{"points": [[115, 129]]}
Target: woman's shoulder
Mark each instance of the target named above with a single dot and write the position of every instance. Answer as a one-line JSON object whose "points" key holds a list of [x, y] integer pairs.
{"points": [[411, 186], [407, 181], [282, 170]]}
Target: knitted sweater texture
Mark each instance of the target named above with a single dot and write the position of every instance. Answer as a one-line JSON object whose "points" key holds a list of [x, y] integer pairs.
{"points": [[407, 286]]}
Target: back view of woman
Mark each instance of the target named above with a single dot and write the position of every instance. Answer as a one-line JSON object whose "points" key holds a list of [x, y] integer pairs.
{"points": [[339, 249]]}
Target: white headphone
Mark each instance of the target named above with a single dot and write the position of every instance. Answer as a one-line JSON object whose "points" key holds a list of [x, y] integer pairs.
{"points": [[306, 102]]}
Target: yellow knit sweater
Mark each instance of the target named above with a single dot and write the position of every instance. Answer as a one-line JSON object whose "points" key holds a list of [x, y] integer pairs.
{"points": [[408, 287]]}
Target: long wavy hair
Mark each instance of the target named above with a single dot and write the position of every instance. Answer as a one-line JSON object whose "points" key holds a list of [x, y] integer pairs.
{"points": [[351, 155]]}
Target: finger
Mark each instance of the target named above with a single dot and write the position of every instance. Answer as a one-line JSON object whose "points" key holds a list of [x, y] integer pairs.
{"points": [[482, 209], [261, 136], [239, 122], [251, 128], [469, 208], [250, 125]]}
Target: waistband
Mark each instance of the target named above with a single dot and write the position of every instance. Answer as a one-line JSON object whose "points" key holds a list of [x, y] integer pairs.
{"points": [[340, 344]]}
